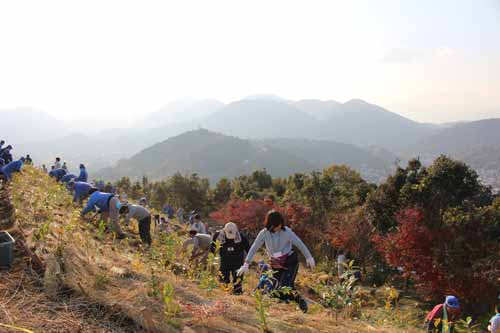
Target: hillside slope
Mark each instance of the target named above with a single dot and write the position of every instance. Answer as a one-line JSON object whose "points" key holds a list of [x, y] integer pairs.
{"points": [[215, 155], [124, 279], [462, 138], [207, 153]]}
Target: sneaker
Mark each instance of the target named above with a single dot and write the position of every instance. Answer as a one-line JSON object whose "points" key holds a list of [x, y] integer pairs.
{"points": [[303, 305]]}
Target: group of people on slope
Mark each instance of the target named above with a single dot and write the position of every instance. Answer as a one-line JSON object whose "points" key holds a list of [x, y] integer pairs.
{"points": [[108, 206], [236, 255]]}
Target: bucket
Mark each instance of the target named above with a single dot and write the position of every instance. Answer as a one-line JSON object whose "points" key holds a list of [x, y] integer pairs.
{"points": [[6, 249]]}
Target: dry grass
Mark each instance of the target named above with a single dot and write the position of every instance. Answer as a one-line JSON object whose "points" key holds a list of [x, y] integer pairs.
{"points": [[117, 276], [24, 303]]}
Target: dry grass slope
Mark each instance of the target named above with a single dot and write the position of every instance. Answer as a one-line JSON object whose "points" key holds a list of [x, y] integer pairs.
{"points": [[94, 283]]}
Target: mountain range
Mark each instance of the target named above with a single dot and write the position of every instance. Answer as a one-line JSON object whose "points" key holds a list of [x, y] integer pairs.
{"points": [[311, 130], [215, 155]]}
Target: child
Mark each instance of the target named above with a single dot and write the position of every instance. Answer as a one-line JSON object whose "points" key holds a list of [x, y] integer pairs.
{"points": [[266, 281]]}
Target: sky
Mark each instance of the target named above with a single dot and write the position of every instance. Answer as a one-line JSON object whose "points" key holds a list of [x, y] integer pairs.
{"points": [[111, 62]]}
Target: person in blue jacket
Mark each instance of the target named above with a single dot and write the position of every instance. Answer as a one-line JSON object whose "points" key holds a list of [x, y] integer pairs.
{"points": [[81, 190], [108, 205], [68, 177], [83, 176], [6, 155], [12, 167], [57, 173]]}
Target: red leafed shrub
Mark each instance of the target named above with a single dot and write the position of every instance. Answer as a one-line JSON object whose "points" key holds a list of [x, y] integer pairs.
{"points": [[249, 215], [412, 248], [446, 260], [352, 232]]}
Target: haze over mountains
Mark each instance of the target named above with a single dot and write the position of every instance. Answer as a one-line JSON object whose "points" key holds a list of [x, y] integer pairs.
{"points": [[308, 134]]}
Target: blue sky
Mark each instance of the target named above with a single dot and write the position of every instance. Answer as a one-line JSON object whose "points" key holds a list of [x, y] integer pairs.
{"points": [[432, 61]]}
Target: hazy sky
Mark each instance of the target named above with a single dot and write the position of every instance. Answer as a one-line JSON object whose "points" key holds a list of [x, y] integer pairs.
{"points": [[430, 60]]}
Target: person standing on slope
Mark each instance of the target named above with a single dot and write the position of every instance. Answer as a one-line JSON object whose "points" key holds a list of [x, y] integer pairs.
{"points": [[233, 247], [57, 164], [83, 176], [143, 217], [109, 206], [180, 215], [279, 240]]}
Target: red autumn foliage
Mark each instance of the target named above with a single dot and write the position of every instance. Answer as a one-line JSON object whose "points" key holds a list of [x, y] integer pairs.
{"points": [[446, 260], [351, 232], [249, 215], [411, 248]]}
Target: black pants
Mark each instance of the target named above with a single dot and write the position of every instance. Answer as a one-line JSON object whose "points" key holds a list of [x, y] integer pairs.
{"points": [[286, 279], [228, 274], [144, 229]]}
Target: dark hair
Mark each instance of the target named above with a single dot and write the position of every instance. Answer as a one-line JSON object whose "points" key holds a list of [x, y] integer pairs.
{"points": [[274, 219], [124, 209], [92, 190], [498, 308], [197, 217], [58, 158]]}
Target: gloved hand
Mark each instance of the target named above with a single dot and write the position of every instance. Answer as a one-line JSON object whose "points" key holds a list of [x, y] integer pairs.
{"points": [[243, 269], [311, 263]]}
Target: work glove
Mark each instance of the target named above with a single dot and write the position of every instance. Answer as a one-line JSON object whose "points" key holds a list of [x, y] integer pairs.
{"points": [[243, 269], [310, 262]]}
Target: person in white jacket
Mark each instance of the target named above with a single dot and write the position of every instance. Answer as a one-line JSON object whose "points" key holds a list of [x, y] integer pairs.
{"points": [[279, 241]]}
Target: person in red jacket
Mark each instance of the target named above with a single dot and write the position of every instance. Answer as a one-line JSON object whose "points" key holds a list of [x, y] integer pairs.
{"points": [[445, 314]]}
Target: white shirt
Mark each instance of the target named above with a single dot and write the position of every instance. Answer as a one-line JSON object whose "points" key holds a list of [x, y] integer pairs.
{"points": [[495, 324]]}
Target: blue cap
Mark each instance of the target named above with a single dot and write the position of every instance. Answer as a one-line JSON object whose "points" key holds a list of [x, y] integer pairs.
{"points": [[452, 302]]}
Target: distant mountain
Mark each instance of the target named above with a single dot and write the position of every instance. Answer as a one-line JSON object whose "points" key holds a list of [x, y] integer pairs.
{"points": [[461, 139], [322, 154], [27, 124], [364, 124], [261, 118], [182, 111], [207, 153], [355, 122], [320, 110]]}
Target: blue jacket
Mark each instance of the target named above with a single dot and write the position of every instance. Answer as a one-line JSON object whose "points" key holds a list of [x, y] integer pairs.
{"points": [[6, 155], [81, 190], [67, 177], [12, 167], [84, 176], [57, 173], [99, 199]]}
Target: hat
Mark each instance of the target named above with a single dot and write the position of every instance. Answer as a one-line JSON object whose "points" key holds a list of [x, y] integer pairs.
{"points": [[452, 302], [230, 229]]}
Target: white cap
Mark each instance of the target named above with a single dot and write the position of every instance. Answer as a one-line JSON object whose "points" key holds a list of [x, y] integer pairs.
{"points": [[230, 229]]}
